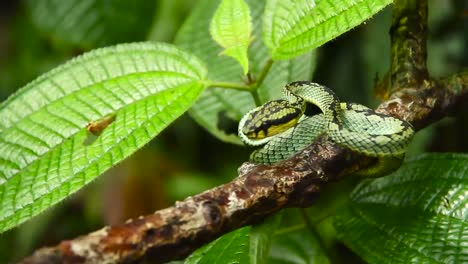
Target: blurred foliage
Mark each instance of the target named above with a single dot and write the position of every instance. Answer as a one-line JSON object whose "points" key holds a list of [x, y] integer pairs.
{"points": [[185, 159], [90, 23], [218, 110]]}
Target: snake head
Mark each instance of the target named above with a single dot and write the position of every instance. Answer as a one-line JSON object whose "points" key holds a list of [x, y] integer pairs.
{"points": [[270, 119]]}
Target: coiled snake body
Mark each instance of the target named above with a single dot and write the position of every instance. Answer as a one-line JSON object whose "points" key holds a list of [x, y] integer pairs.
{"points": [[283, 128]]}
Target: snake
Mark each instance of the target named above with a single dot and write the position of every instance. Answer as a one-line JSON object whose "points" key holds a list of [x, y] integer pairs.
{"points": [[282, 127]]}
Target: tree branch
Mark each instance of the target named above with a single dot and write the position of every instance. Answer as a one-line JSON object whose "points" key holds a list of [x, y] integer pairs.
{"points": [[260, 190], [408, 37]]}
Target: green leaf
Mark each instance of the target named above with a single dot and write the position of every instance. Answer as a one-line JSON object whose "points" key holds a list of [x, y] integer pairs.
{"points": [[230, 248], [218, 109], [292, 27], [261, 237], [93, 23], [244, 245], [295, 243], [46, 152], [231, 27], [416, 215], [296, 246]]}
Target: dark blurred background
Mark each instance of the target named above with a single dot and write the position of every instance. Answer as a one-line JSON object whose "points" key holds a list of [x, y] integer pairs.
{"points": [[184, 159]]}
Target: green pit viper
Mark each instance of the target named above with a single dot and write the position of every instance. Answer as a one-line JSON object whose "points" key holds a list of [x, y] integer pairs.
{"points": [[284, 129]]}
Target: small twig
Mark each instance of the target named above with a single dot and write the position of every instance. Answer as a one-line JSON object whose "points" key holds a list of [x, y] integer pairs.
{"points": [[263, 74], [252, 88], [261, 77], [256, 97], [229, 85]]}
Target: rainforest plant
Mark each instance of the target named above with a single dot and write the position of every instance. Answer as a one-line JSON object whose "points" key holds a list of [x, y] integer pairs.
{"points": [[73, 123]]}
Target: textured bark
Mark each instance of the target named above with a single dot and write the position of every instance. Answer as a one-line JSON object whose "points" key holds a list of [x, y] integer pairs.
{"points": [[260, 190], [408, 35]]}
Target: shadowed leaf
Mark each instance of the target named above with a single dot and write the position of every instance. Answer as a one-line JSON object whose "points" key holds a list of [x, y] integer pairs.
{"points": [[416, 215], [93, 23]]}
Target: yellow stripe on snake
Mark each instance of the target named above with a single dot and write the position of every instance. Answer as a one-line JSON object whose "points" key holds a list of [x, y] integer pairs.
{"points": [[284, 129]]}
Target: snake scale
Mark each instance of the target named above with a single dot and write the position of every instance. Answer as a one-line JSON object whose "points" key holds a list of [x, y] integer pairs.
{"points": [[284, 129]]}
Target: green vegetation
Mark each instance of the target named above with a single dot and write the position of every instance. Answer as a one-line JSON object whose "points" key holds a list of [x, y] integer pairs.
{"points": [[100, 81]]}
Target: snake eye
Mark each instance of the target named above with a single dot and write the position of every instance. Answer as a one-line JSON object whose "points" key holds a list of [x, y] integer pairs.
{"points": [[272, 118]]}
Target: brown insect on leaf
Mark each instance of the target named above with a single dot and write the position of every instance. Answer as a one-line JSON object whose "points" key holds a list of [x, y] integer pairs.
{"points": [[96, 127]]}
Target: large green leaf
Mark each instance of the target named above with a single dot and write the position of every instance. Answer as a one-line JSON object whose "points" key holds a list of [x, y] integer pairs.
{"points": [[416, 215], [219, 110], [261, 237], [244, 245], [231, 27], [46, 152], [230, 248], [293, 27], [91, 23], [294, 242]]}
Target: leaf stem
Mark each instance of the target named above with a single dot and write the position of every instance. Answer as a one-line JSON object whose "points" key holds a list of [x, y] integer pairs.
{"points": [[252, 88], [263, 73], [256, 97], [230, 85]]}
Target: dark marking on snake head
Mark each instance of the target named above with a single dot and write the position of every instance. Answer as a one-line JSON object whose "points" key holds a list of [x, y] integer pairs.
{"points": [[272, 118], [226, 123]]}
